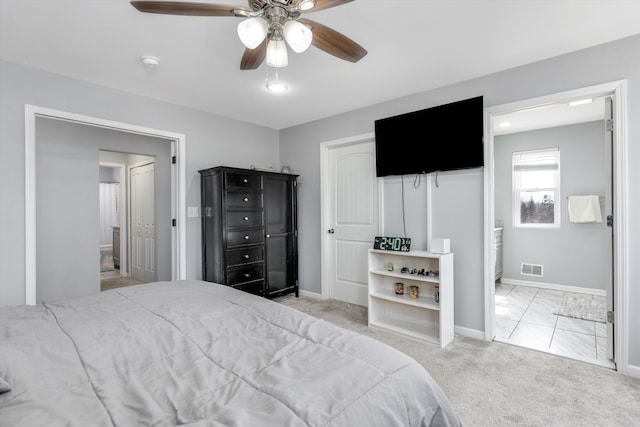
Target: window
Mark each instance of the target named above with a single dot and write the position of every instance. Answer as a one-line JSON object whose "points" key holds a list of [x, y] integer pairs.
{"points": [[536, 188]]}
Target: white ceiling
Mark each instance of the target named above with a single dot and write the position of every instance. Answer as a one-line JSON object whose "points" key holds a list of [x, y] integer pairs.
{"points": [[413, 45], [548, 116]]}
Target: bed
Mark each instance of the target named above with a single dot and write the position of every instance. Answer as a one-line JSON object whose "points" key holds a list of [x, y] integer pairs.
{"points": [[201, 354]]}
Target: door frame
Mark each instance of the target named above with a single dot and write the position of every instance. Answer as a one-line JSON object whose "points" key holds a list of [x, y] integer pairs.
{"points": [[178, 186], [620, 209], [325, 147]]}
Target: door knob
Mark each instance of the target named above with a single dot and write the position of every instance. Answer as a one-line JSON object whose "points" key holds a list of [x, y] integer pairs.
{"points": [[331, 231]]}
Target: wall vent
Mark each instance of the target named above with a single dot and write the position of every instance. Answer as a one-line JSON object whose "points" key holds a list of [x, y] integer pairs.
{"points": [[531, 269]]}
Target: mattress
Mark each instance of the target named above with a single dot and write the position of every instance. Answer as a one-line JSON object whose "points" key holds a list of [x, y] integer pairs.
{"points": [[201, 354]]}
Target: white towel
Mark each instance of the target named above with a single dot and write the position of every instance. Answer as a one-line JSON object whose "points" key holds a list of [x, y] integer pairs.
{"points": [[584, 209]]}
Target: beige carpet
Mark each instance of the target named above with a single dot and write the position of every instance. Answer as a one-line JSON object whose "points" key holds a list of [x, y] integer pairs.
{"points": [[496, 384]]}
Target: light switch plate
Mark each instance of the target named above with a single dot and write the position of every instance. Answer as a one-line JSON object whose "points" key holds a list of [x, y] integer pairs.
{"points": [[193, 211]]}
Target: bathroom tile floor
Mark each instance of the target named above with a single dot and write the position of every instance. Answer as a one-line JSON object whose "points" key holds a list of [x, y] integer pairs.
{"points": [[525, 317]]}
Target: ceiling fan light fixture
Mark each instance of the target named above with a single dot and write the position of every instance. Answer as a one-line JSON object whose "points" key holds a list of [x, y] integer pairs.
{"points": [[276, 87], [306, 4], [297, 35], [252, 31], [272, 81], [277, 53]]}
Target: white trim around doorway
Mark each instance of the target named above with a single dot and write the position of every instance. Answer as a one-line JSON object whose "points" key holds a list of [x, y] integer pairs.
{"points": [[178, 186], [620, 197]]}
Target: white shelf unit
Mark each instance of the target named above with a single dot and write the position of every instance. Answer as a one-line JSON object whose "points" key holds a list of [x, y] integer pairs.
{"points": [[422, 319]]}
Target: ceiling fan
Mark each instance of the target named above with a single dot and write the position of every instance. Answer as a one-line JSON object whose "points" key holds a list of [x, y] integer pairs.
{"points": [[268, 25]]}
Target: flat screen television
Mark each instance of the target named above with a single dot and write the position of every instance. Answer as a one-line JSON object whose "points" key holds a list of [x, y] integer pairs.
{"points": [[442, 138]]}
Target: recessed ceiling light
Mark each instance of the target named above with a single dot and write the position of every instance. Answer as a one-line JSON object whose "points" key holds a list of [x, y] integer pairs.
{"points": [[580, 102], [150, 61]]}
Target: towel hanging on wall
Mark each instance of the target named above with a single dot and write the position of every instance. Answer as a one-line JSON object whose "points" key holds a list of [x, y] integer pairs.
{"points": [[584, 209]]}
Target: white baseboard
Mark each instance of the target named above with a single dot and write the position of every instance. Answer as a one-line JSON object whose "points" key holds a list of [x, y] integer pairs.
{"points": [[467, 332], [309, 294], [633, 371], [553, 286]]}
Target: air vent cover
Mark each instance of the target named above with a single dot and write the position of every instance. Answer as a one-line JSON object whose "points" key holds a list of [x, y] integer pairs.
{"points": [[531, 269]]}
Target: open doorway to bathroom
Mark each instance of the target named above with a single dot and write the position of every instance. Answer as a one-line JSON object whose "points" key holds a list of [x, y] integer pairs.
{"points": [[111, 216], [557, 269], [120, 259], [553, 278]]}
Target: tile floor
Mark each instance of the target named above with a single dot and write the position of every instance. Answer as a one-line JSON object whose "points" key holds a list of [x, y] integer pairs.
{"points": [[524, 317]]}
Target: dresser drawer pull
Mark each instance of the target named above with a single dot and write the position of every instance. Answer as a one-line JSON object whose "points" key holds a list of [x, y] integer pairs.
{"points": [[245, 180], [247, 275], [246, 199], [246, 256], [246, 218], [246, 237]]}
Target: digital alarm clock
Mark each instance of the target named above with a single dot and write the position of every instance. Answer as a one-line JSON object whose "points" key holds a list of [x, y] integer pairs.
{"points": [[398, 244]]}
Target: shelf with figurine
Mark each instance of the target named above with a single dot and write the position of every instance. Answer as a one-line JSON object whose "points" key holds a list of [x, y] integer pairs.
{"points": [[411, 293]]}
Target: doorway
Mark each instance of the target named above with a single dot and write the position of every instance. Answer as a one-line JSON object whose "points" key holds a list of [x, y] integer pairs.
{"points": [[112, 195], [350, 217], [116, 267], [175, 184], [535, 293]]}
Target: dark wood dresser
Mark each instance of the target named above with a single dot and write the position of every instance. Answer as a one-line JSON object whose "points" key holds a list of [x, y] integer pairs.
{"points": [[249, 230]]}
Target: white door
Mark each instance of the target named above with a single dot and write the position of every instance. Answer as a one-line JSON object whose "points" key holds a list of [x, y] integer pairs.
{"points": [[351, 203], [142, 222]]}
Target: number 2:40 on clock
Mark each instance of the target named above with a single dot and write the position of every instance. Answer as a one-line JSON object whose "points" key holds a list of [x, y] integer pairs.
{"points": [[398, 244]]}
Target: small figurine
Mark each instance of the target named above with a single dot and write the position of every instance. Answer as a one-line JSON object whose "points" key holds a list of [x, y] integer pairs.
{"points": [[399, 288], [414, 292]]}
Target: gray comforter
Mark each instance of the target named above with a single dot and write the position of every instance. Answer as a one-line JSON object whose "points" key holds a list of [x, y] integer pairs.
{"points": [[201, 354]]}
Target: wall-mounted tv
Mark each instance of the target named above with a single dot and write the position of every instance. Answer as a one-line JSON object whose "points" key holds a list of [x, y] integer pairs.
{"points": [[442, 138]]}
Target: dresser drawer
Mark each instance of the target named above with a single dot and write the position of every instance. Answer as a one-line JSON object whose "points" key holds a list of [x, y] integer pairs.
{"points": [[237, 219], [244, 237], [239, 275], [245, 255], [244, 199], [242, 180]]}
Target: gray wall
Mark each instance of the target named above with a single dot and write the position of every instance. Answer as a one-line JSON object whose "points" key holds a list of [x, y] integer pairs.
{"points": [[457, 205], [215, 140], [109, 174], [574, 254], [415, 209], [210, 140], [67, 200]]}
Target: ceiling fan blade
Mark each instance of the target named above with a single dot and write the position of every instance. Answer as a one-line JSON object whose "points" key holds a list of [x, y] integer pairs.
{"points": [[252, 58], [334, 43], [182, 8], [326, 4]]}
